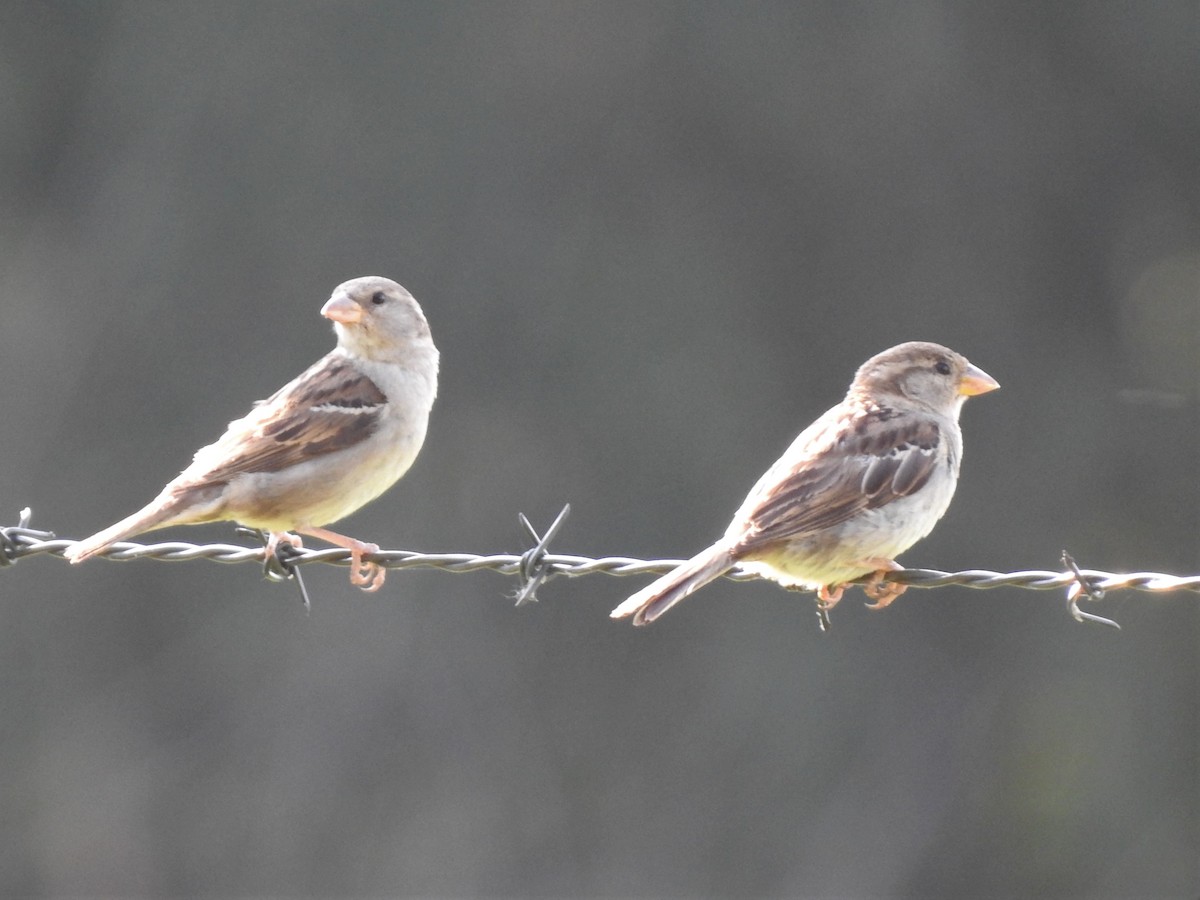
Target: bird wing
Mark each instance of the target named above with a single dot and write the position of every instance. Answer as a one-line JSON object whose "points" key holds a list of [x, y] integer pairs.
{"points": [[332, 406], [883, 455]]}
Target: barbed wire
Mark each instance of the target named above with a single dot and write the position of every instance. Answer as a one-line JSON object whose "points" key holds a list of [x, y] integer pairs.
{"points": [[537, 565]]}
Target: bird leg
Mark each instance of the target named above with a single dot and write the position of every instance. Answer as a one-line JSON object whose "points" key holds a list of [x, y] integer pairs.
{"points": [[367, 575], [882, 592]]}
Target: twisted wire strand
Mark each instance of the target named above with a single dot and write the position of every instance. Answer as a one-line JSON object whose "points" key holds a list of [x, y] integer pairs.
{"points": [[536, 565]]}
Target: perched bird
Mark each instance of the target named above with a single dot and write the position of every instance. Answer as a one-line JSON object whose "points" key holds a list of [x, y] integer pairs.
{"points": [[323, 445], [859, 486]]}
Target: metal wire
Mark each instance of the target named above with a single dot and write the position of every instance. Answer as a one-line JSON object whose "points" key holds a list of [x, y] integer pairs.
{"points": [[537, 565]]}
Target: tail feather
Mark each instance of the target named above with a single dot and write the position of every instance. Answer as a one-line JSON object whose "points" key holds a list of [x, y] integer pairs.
{"points": [[655, 599], [158, 514]]}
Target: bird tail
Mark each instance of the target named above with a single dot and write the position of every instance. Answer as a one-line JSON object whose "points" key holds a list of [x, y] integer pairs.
{"points": [[155, 515], [655, 599]]}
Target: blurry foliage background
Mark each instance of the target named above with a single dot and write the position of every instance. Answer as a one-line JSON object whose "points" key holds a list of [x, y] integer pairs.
{"points": [[653, 240]]}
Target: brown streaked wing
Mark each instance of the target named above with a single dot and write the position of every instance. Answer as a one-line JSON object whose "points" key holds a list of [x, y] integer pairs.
{"points": [[331, 407], [871, 466]]}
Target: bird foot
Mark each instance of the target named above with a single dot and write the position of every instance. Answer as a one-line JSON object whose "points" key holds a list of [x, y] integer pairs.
{"points": [[367, 575], [882, 592], [828, 595], [282, 537]]}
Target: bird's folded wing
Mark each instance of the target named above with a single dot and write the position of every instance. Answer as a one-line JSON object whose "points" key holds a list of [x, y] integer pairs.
{"points": [[867, 467], [333, 406]]}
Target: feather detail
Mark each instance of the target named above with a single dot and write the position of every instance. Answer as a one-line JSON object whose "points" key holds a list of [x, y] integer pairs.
{"points": [[882, 456], [332, 406], [655, 599], [163, 510]]}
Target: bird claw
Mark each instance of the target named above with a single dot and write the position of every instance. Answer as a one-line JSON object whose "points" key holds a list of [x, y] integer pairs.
{"points": [[367, 575], [883, 592], [828, 595], [275, 538]]}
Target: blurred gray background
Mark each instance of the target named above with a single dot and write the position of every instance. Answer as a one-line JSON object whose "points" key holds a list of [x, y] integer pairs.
{"points": [[653, 240]]}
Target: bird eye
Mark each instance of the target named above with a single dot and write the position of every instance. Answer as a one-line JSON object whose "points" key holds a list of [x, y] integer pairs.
{"points": [[379, 298], [942, 367]]}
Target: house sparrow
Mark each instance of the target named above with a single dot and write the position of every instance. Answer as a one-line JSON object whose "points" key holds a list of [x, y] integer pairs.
{"points": [[859, 486], [328, 442]]}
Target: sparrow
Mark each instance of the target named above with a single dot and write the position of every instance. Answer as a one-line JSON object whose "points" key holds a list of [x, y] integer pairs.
{"points": [[326, 443], [856, 488]]}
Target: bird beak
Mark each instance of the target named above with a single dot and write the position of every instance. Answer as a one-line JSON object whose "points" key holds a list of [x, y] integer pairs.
{"points": [[976, 381], [342, 309]]}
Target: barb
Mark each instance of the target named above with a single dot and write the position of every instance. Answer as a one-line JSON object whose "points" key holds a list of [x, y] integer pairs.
{"points": [[536, 565], [277, 566], [533, 561], [1083, 585], [11, 538]]}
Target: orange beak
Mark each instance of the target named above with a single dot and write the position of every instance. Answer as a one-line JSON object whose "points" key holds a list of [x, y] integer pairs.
{"points": [[342, 309], [976, 381]]}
